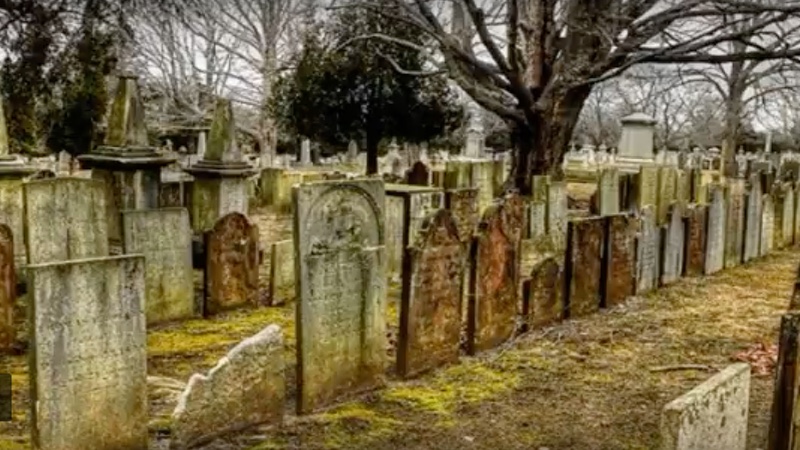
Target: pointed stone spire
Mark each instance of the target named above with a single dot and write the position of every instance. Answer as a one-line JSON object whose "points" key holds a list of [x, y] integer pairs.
{"points": [[222, 138], [126, 122]]}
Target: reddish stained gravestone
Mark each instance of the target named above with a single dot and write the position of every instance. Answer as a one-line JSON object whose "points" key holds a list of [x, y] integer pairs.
{"points": [[8, 282], [430, 309], [463, 203], [620, 264], [695, 249], [584, 266], [231, 273], [543, 294]]}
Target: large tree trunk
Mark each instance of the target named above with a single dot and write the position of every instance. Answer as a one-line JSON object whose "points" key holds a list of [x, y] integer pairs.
{"points": [[267, 127], [733, 129]]}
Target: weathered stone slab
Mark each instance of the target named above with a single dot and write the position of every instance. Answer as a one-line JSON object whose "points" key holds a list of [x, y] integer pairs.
{"points": [[647, 188], [796, 231], [8, 288], [245, 388], [88, 359], [213, 198], [430, 307], [734, 223], [667, 187], [715, 231], [767, 225], [406, 207], [543, 294], [647, 248], [341, 291], [585, 241], [537, 219], [77, 205], [463, 203], [619, 267], [673, 246], [11, 213], [608, 192], [787, 220], [683, 187], [712, 416], [419, 174], [164, 237], [557, 213], [492, 305], [231, 274], [281, 272], [482, 178], [695, 250], [752, 228]]}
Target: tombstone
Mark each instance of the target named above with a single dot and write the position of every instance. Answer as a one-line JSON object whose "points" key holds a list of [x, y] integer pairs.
{"points": [[636, 142], [767, 226], [647, 247], [787, 221], [672, 247], [231, 270], [463, 203], [543, 294], [126, 163], [557, 209], [78, 207], [783, 434], [619, 266], [406, 208], [695, 250], [244, 389], [734, 223], [419, 174], [164, 237], [608, 192], [352, 151], [281, 272], [430, 306], [220, 178], [647, 188], [201, 145], [712, 416], [473, 147], [667, 187], [341, 289], [796, 231], [8, 289], [585, 243], [753, 213], [481, 178], [715, 232], [305, 152], [88, 348]]}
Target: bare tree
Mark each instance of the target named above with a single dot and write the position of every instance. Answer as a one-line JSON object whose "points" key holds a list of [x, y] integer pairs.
{"points": [[535, 62]]}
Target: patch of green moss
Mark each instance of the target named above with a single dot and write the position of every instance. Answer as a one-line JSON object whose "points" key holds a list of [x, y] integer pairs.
{"points": [[6, 444], [355, 425]]}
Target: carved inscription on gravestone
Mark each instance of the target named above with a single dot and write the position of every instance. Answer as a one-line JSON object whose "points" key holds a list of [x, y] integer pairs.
{"points": [[695, 240], [430, 310], [89, 358], [231, 276], [339, 252], [585, 241], [620, 263], [543, 294], [8, 288]]}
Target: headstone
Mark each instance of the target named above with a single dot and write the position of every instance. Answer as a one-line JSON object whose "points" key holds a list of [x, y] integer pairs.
{"points": [[715, 231], [783, 433], [647, 187], [8, 289], [543, 294], [201, 145], [585, 242], [341, 286], [231, 271], [430, 308], [281, 272], [752, 228], [796, 231], [537, 219], [65, 219], [406, 208], [352, 151], [419, 174], [767, 226], [673, 246], [481, 178], [695, 250], [608, 192], [245, 388], [636, 141], [788, 216], [647, 259], [492, 304], [164, 237], [734, 223], [712, 416], [619, 267], [557, 213], [305, 152], [88, 361], [667, 187]]}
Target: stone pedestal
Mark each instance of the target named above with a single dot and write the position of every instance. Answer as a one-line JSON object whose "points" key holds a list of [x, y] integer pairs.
{"points": [[219, 188]]}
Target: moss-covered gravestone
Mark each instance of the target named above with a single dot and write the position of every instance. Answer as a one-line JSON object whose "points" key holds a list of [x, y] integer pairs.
{"points": [[129, 167], [220, 185]]}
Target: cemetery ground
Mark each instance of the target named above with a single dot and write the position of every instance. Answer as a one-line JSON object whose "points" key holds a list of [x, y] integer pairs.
{"points": [[597, 382]]}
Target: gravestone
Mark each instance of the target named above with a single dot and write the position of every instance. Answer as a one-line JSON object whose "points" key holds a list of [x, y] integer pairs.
{"points": [[695, 250], [767, 226], [492, 304], [482, 178], [752, 228], [667, 187], [778, 203], [341, 289], [231, 272], [619, 267], [406, 208], [557, 208], [673, 246], [127, 165], [430, 306], [88, 360], [715, 231], [164, 237], [463, 203], [281, 272], [786, 216], [245, 388], [585, 242], [683, 187], [543, 294], [419, 174], [796, 212], [78, 206], [712, 416], [647, 247], [608, 192], [647, 187], [537, 219], [734, 223], [8, 289]]}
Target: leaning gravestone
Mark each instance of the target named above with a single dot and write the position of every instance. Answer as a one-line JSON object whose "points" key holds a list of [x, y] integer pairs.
{"points": [[244, 389], [164, 237], [543, 294], [695, 250], [341, 289], [673, 246], [78, 207], [767, 226], [647, 260], [8, 289], [88, 361], [712, 416], [492, 304], [619, 267], [231, 274], [715, 231], [585, 242], [430, 307]]}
